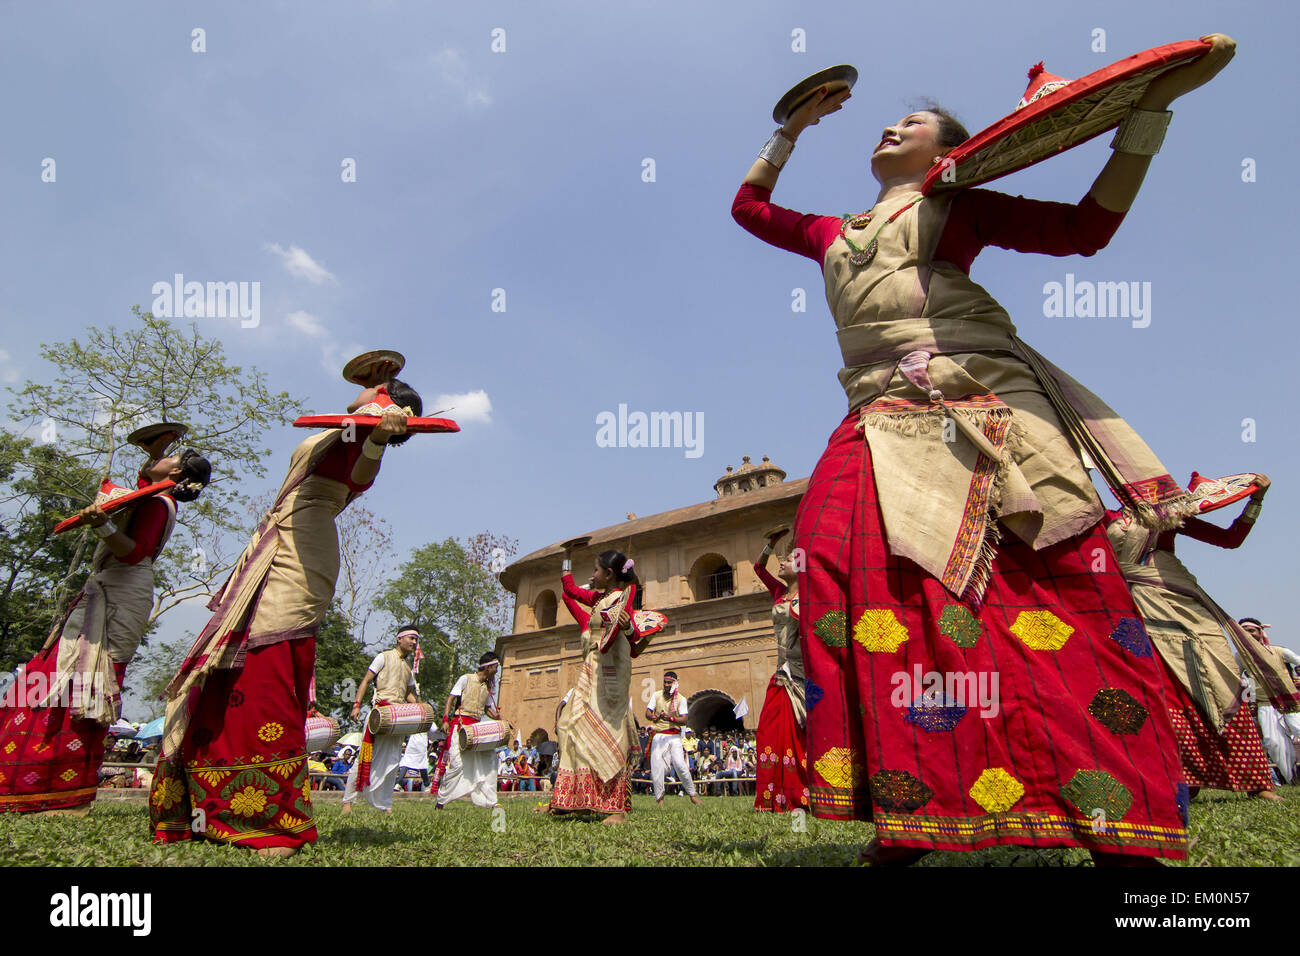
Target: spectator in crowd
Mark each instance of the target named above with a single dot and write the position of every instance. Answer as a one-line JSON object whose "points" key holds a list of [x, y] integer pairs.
{"points": [[733, 768]]}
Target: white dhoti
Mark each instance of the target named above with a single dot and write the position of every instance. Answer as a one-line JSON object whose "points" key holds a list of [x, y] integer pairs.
{"points": [[667, 749], [386, 755], [1280, 733], [471, 773]]}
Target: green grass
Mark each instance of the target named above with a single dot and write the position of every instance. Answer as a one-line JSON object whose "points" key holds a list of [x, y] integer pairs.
{"points": [[1227, 830]]}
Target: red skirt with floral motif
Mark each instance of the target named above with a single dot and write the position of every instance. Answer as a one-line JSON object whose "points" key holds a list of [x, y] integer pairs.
{"points": [[583, 790], [242, 774], [1035, 719], [48, 760], [782, 774]]}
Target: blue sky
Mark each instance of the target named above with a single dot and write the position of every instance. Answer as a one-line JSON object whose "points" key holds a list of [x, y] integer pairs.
{"points": [[522, 170]]}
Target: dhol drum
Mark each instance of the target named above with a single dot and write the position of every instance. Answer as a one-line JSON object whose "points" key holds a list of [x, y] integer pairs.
{"points": [[322, 733], [399, 720], [485, 735]]}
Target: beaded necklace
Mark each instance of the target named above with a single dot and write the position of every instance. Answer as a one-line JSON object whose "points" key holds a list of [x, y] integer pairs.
{"points": [[862, 257]]}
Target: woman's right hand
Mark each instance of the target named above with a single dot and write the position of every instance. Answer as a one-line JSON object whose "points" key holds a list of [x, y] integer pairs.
{"points": [[820, 104], [93, 516]]}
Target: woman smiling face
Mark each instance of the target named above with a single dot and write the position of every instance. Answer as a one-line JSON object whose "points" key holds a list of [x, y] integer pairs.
{"points": [[908, 148]]}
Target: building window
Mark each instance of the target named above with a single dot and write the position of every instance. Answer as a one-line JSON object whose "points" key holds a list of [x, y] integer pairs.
{"points": [[712, 577], [544, 609], [721, 583]]}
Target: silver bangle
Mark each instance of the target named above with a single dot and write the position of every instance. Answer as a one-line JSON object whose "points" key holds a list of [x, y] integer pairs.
{"points": [[372, 450], [777, 149], [1252, 511], [1141, 132], [105, 530], [566, 566]]}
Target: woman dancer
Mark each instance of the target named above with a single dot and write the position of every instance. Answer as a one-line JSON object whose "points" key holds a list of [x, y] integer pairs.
{"points": [[950, 526], [52, 743], [596, 732], [1217, 737], [782, 775], [232, 767]]}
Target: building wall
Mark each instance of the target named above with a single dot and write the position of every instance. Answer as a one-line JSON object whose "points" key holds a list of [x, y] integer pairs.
{"points": [[725, 643]]}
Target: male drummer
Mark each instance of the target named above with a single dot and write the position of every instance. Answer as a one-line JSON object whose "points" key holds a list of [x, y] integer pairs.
{"points": [[471, 773], [394, 683], [666, 713]]}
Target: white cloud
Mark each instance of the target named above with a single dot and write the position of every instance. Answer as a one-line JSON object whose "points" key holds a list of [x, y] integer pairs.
{"points": [[307, 324], [451, 64], [301, 265], [464, 407]]}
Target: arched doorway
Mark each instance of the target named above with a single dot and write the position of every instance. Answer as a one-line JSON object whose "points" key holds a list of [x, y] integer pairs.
{"points": [[712, 710]]}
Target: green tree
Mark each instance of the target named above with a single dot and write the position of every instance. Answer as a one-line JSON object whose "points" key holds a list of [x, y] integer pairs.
{"points": [[39, 486], [451, 594], [341, 662], [149, 675], [96, 392]]}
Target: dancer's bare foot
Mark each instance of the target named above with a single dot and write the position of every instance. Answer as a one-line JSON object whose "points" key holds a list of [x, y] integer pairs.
{"points": [[878, 855], [278, 851], [696, 800], [1270, 795], [347, 808], [1107, 858], [614, 819], [659, 800]]}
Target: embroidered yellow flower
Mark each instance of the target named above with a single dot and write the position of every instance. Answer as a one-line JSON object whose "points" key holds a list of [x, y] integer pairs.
{"points": [[306, 790], [838, 768], [271, 731], [996, 790], [167, 793], [880, 630], [212, 778], [68, 775], [10, 747], [248, 801], [1041, 630]]}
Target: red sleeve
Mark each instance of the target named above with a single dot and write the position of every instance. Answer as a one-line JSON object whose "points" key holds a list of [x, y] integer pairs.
{"points": [[808, 235], [983, 217], [145, 529], [337, 463], [579, 615], [571, 590], [1230, 537], [773, 584]]}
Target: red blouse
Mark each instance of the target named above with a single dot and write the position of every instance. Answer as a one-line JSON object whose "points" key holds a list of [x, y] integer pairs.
{"points": [[772, 583], [338, 462], [1198, 529], [976, 218], [145, 527]]}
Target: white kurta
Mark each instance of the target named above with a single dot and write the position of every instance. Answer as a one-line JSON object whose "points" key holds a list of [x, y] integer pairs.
{"points": [[385, 760], [1280, 732], [666, 750]]}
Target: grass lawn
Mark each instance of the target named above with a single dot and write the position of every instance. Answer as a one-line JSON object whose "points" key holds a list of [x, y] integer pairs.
{"points": [[1227, 830]]}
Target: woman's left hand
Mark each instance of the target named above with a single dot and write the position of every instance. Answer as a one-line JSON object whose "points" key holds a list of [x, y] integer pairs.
{"points": [[1167, 87], [392, 424]]}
